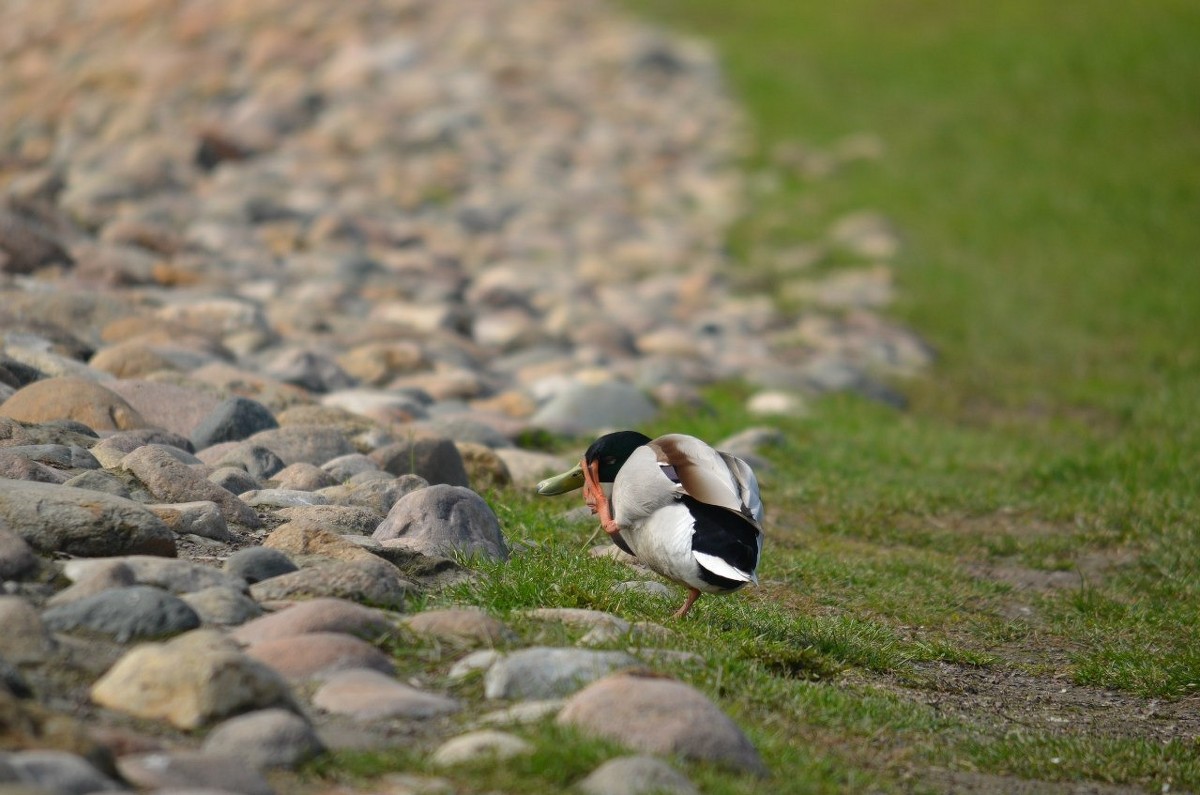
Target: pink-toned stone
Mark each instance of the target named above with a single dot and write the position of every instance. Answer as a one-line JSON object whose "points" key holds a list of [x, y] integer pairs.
{"points": [[314, 653]]}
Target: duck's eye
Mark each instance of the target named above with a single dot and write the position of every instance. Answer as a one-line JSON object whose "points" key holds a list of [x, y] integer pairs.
{"points": [[610, 459]]}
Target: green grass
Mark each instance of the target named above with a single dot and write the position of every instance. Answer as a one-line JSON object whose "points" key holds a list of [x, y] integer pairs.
{"points": [[1035, 510]]}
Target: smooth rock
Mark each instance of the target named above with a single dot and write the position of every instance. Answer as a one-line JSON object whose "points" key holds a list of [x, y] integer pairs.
{"points": [[461, 625], [24, 637], [81, 522], [71, 397], [435, 459], [165, 405], [478, 745], [201, 518], [445, 520], [377, 491], [255, 564], [376, 583], [177, 770], [345, 467], [222, 605], [259, 461], [540, 672], [661, 716], [138, 612], [281, 498], [475, 662], [314, 444], [636, 775], [584, 408], [317, 615], [302, 476], [176, 576], [232, 420], [59, 772], [17, 560], [107, 573], [313, 654], [343, 519], [265, 739], [368, 695], [193, 680], [100, 481], [170, 480]]}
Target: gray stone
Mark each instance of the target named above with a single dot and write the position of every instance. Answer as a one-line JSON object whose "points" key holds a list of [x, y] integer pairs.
{"points": [[481, 744], [99, 481], [636, 775], [444, 520], [582, 408], [379, 584], [345, 467], [259, 461], [302, 476], [17, 560], [434, 458], [24, 638], [222, 605], [139, 612], [81, 522], [170, 480], [201, 518], [232, 420], [315, 444], [661, 716], [234, 479], [368, 695], [377, 491], [60, 772], [176, 576], [266, 738], [193, 770], [343, 519], [313, 654], [281, 498], [540, 672], [317, 615], [255, 564]]}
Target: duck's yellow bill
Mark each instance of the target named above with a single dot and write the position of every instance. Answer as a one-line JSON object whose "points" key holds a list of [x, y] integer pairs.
{"points": [[560, 484]]}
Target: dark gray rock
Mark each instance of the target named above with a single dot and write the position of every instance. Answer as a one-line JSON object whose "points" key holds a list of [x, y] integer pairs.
{"points": [[434, 458], [233, 420], [444, 520], [140, 612], [255, 564]]}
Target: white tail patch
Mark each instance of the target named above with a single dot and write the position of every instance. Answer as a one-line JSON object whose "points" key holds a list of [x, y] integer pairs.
{"points": [[723, 569]]}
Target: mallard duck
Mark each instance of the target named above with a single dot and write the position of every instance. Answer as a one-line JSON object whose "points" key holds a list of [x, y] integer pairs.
{"points": [[689, 512]]}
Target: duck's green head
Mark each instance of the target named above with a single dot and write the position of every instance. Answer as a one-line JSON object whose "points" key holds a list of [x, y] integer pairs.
{"points": [[611, 450]]}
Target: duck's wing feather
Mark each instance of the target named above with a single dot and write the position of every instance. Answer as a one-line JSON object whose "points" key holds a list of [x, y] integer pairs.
{"points": [[708, 476], [724, 543], [746, 485]]}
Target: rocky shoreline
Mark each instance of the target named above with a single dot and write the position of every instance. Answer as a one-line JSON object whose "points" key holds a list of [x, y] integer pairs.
{"points": [[283, 288]]}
